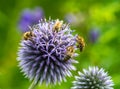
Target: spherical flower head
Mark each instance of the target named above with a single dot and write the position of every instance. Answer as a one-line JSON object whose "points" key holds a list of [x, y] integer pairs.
{"points": [[71, 18], [30, 17], [93, 78], [75, 19], [94, 35], [42, 57]]}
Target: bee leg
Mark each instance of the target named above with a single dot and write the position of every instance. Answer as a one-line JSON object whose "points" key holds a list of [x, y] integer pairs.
{"points": [[66, 58], [78, 46], [32, 41]]}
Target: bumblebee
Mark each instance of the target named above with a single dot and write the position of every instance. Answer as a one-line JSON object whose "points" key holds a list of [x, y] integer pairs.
{"points": [[57, 25], [81, 43], [69, 53], [28, 35]]}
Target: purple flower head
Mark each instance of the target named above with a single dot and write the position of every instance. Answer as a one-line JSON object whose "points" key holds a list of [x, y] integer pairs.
{"points": [[71, 18], [42, 57], [37, 15], [94, 35], [74, 19], [29, 17], [93, 78]]}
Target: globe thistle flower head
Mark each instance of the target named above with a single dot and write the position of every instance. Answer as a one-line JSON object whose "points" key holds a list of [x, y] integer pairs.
{"points": [[42, 54], [71, 18], [94, 35], [37, 14], [93, 78], [75, 19], [29, 17]]}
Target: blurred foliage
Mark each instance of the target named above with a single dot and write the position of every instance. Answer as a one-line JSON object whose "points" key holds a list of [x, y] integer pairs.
{"points": [[105, 52]]}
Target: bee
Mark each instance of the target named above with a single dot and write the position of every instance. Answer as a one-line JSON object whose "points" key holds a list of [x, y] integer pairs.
{"points": [[57, 25], [81, 43], [69, 53], [28, 35]]}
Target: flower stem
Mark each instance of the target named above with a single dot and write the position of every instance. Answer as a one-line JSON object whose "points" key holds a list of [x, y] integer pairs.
{"points": [[33, 85]]}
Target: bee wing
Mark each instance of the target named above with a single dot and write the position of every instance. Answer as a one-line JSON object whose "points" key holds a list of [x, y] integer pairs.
{"points": [[30, 28]]}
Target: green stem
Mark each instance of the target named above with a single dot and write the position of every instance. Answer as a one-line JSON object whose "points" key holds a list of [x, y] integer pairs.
{"points": [[33, 85]]}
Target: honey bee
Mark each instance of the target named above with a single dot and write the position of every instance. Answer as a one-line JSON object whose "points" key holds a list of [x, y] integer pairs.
{"points": [[28, 35], [69, 53], [57, 25], [81, 43]]}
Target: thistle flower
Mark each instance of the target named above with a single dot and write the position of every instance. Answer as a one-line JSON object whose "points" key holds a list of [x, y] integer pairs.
{"points": [[75, 19], [42, 55], [29, 17], [94, 35], [93, 78]]}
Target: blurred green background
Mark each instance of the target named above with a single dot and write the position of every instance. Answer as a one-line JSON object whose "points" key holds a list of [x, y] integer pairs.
{"points": [[94, 14]]}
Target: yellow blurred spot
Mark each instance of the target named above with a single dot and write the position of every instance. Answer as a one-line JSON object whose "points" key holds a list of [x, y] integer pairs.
{"points": [[104, 13]]}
